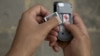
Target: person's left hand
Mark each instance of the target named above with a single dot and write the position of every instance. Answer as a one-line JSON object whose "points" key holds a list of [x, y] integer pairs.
{"points": [[31, 31]]}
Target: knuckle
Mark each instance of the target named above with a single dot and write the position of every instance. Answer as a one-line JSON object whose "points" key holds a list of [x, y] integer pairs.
{"points": [[38, 5], [25, 13], [84, 38]]}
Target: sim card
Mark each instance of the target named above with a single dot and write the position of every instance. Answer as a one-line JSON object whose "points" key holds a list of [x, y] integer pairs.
{"points": [[53, 15]]}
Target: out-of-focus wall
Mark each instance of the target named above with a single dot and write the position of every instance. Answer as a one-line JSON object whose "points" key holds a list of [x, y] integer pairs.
{"points": [[10, 12]]}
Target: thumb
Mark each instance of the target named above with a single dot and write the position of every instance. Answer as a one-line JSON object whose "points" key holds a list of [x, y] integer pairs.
{"points": [[75, 31], [50, 24]]}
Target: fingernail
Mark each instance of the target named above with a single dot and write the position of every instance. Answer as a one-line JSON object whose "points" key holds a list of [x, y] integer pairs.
{"points": [[52, 44], [56, 49]]}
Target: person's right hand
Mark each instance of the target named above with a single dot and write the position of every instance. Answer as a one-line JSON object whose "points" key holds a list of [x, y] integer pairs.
{"points": [[80, 44]]}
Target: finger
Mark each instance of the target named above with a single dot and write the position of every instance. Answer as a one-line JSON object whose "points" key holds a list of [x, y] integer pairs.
{"points": [[38, 10], [62, 44], [56, 47], [49, 25], [52, 40], [39, 19], [54, 33], [49, 36], [78, 21], [75, 31], [56, 28]]}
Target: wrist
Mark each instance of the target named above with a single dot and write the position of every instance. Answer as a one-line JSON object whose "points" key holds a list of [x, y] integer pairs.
{"points": [[67, 52], [18, 52]]}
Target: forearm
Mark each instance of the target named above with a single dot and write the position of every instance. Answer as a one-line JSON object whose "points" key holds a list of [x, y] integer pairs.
{"points": [[22, 49], [72, 54], [86, 51], [19, 51]]}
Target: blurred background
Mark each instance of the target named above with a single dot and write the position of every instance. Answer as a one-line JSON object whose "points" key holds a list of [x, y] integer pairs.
{"points": [[11, 10]]}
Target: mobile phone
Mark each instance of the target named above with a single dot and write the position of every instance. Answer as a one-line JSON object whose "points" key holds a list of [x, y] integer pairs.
{"points": [[64, 11]]}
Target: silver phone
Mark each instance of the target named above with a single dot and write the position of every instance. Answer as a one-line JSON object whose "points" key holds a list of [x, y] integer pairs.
{"points": [[64, 11]]}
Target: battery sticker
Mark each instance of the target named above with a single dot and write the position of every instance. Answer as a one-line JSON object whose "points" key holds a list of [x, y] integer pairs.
{"points": [[66, 18]]}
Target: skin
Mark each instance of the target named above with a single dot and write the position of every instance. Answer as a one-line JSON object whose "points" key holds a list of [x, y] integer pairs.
{"points": [[79, 45], [29, 35]]}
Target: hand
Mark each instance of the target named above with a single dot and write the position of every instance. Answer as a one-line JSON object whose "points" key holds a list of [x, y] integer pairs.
{"points": [[80, 44], [31, 31]]}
